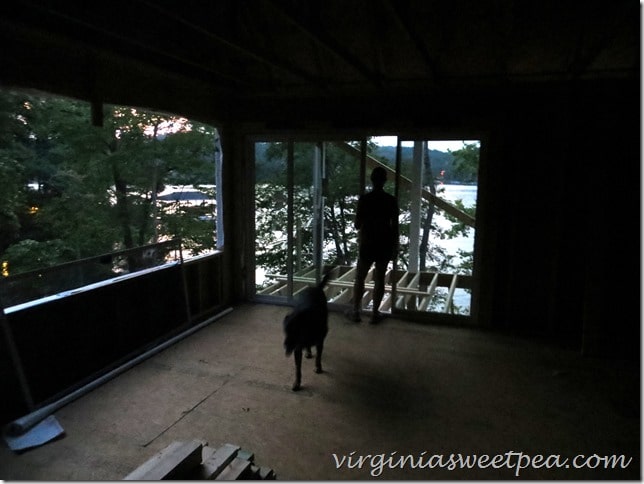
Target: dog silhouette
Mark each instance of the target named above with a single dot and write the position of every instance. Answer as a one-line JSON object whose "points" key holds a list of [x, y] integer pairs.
{"points": [[307, 326]]}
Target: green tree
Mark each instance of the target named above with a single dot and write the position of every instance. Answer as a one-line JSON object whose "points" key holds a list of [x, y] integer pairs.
{"points": [[146, 151], [72, 190], [466, 163], [14, 157], [340, 192]]}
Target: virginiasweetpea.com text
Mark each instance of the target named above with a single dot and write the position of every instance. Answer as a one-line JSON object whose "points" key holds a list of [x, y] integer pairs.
{"points": [[515, 461]]}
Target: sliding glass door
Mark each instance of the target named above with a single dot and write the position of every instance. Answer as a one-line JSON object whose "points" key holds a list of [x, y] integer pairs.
{"points": [[306, 195], [436, 189]]}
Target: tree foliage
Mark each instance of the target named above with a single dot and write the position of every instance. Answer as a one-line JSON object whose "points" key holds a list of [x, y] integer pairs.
{"points": [[340, 193], [466, 162], [72, 190]]}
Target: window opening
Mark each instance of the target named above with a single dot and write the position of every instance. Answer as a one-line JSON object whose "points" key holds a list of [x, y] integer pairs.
{"points": [[75, 191]]}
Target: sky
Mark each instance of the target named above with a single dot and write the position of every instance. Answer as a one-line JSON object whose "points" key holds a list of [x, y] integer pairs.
{"points": [[433, 145]]}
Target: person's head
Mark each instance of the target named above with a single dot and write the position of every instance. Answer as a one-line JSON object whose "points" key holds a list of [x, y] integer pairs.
{"points": [[378, 177]]}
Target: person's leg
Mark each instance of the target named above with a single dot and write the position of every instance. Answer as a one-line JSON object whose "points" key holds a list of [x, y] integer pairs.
{"points": [[379, 288], [362, 270]]}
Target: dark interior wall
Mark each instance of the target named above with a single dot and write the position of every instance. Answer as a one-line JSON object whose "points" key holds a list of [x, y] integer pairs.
{"points": [[565, 177], [609, 138], [527, 177]]}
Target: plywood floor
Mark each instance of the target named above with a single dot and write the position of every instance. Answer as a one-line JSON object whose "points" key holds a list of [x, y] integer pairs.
{"points": [[390, 390]]}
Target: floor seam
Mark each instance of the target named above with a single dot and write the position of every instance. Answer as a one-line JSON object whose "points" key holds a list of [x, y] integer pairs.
{"points": [[187, 412]]}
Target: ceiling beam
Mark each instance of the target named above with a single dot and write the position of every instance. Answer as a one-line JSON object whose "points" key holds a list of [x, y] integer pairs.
{"points": [[402, 20], [328, 43], [262, 57], [586, 51], [135, 46]]}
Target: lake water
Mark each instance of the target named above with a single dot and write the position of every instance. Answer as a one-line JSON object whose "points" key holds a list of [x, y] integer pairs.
{"points": [[451, 193]]}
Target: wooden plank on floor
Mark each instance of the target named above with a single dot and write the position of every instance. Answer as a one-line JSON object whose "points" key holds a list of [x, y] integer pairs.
{"points": [[174, 462], [217, 462], [207, 452], [266, 474], [261, 473], [246, 454], [235, 470]]}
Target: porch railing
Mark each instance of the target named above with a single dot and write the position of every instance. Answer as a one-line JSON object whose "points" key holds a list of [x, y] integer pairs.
{"points": [[62, 278]]}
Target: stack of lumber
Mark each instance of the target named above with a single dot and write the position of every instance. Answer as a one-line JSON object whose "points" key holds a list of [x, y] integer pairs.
{"points": [[195, 460]]}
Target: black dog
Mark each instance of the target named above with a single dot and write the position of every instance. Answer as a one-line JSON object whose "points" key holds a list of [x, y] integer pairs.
{"points": [[307, 326]]}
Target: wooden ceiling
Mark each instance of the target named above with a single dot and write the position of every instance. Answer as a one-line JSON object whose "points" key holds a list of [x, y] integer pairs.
{"points": [[218, 59]]}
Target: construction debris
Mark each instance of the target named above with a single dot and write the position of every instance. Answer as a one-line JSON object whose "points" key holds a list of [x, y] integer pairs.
{"points": [[195, 460]]}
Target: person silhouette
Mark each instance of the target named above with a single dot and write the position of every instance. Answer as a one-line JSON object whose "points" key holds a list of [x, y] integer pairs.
{"points": [[377, 224]]}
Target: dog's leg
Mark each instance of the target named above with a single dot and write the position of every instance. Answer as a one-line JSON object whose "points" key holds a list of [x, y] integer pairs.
{"points": [[318, 357], [297, 354], [308, 353]]}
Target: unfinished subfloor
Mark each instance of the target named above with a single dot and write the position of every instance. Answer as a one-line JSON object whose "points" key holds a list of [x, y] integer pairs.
{"points": [[391, 390]]}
